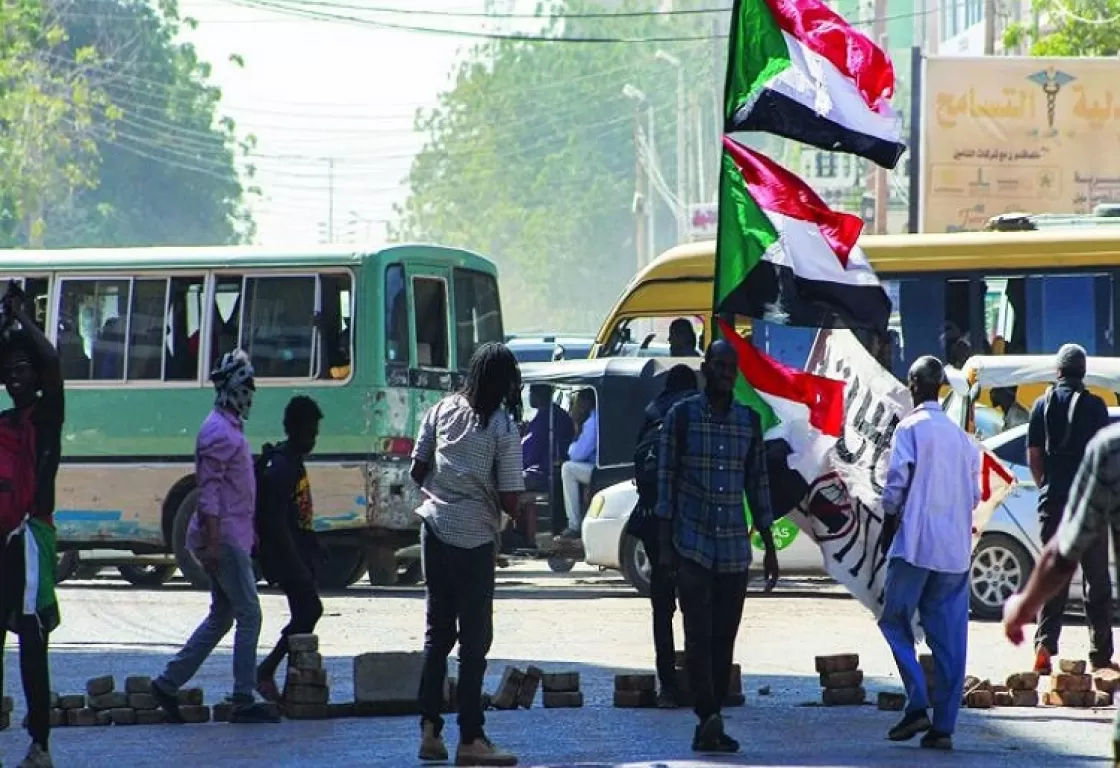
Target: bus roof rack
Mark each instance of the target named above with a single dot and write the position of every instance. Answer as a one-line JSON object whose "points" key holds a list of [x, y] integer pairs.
{"points": [[1103, 215]]}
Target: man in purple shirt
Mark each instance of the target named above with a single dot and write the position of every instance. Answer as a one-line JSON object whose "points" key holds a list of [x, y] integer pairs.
{"points": [[536, 457], [221, 536]]}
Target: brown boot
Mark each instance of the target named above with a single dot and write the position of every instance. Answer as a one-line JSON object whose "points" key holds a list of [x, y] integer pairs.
{"points": [[432, 747], [482, 751]]}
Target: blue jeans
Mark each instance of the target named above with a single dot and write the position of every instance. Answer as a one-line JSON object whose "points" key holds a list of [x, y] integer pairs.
{"points": [[233, 596], [941, 602]]}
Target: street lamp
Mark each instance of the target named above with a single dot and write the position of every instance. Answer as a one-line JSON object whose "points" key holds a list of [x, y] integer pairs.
{"points": [[682, 161], [639, 97]]}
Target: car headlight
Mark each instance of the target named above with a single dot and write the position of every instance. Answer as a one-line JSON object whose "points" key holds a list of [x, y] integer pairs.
{"points": [[597, 504]]}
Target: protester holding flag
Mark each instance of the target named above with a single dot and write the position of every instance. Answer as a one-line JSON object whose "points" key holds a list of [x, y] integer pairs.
{"points": [[932, 487], [710, 452]]}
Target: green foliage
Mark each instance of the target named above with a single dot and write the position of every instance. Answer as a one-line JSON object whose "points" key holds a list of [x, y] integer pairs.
{"points": [[1070, 28], [168, 174], [530, 157]]}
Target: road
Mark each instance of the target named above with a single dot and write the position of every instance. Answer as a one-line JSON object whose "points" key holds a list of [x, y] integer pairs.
{"points": [[583, 621]]}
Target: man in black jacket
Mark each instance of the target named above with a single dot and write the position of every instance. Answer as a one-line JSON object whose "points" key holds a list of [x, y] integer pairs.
{"points": [[288, 549], [680, 382]]}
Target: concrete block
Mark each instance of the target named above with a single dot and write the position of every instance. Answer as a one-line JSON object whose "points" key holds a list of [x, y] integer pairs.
{"points": [[635, 682], [58, 718], [195, 713], [840, 697], [98, 686], [1107, 680], [222, 711], [307, 694], [341, 709], [1102, 698], [306, 711], [191, 697], [1021, 698], [560, 682], [137, 684], [123, 716], [142, 701], [980, 699], [843, 662], [1002, 698], [72, 701], [306, 677], [1071, 666], [891, 702], [506, 697], [562, 699], [1023, 681], [634, 699], [149, 716], [104, 717], [1076, 699], [6, 705], [111, 700], [387, 676], [307, 660], [303, 643], [1071, 682], [529, 686], [81, 717], [852, 679]]}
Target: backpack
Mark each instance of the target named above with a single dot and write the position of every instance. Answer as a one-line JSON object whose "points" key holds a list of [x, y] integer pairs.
{"points": [[646, 457], [260, 464], [18, 469]]}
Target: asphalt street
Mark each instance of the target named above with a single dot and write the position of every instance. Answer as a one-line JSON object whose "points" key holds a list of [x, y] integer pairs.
{"points": [[583, 621]]}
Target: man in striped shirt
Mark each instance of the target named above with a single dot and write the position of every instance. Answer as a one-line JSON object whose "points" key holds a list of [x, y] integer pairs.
{"points": [[711, 452]]}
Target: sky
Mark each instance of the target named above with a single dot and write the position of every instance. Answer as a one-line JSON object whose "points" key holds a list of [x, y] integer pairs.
{"points": [[315, 91]]}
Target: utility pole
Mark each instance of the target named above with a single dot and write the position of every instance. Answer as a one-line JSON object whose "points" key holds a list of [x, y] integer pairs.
{"points": [[989, 27], [651, 205], [877, 183], [682, 151], [640, 197]]}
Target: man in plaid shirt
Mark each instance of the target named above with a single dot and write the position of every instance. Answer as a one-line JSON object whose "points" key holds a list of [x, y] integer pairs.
{"points": [[711, 452], [1093, 510]]}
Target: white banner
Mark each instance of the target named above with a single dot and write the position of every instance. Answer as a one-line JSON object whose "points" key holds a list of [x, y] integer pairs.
{"points": [[842, 510]]}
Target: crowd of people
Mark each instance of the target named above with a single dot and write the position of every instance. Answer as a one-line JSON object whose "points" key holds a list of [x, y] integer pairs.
{"points": [[699, 452]]}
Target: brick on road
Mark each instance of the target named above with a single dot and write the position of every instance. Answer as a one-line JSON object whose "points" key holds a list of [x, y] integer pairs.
{"points": [[634, 699], [1021, 698], [1071, 682], [307, 677], [195, 713], [635, 682], [506, 697], [307, 694], [850, 679], [111, 700], [527, 693], [844, 662], [99, 686], [142, 701], [303, 643], [843, 697], [72, 701], [1072, 666], [307, 660], [980, 699], [891, 702], [562, 699], [1023, 681], [123, 716], [149, 716], [560, 682], [137, 684], [191, 697]]}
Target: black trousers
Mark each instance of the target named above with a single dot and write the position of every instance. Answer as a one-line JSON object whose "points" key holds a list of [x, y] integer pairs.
{"points": [[32, 642], [460, 585], [712, 604], [663, 600], [306, 609], [1097, 586]]}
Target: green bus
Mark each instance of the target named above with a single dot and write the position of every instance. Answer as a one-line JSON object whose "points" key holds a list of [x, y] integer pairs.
{"points": [[375, 337]]}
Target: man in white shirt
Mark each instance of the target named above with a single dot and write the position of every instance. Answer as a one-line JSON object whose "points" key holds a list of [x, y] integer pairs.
{"points": [[576, 472], [931, 490]]}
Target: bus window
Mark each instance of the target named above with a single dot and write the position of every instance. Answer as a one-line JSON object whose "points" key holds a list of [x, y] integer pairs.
{"points": [[278, 325], [1036, 314], [478, 313], [225, 328], [429, 297], [333, 327], [94, 314], [396, 316], [184, 322], [145, 329]]}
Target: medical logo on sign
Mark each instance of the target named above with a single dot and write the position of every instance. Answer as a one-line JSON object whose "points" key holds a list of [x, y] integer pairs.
{"points": [[828, 507]]}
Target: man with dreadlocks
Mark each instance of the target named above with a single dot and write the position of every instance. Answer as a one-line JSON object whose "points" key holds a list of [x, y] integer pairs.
{"points": [[467, 460], [221, 536]]}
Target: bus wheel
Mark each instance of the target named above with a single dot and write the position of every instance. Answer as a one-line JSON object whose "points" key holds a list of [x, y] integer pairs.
{"points": [[67, 566], [338, 571], [146, 575], [191, 568]]}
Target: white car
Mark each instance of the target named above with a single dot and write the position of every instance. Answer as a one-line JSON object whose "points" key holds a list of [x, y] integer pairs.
{"points": [[1011, 543], [606, 545]]}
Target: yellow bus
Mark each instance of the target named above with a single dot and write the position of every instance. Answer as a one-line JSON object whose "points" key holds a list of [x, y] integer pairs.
{"points": [[953, 295]]}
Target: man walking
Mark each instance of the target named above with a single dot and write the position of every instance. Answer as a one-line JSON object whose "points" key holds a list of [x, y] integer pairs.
{"points": [[931, 490], [680, 382], [1092, 513], [467, 460], [1062, 423], [288, 550], [30, 446], [221, 536], [711, 451]]}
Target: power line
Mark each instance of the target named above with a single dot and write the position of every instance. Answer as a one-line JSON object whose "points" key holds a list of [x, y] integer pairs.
{"points": [[514, 15]]}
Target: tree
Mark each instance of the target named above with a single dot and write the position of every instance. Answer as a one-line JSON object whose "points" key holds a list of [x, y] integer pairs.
{"points": [[47, 147], [1069, 28], [530, 156], [168, 172]]}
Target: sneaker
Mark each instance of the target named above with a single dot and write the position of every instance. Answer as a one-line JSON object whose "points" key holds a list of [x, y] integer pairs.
{"points": [[255, 713], [709, 737], [168, 703], [1042, 663], [1111, 666], [935, 739], [432, 747], [37, 757], [570, 534], [482, 751], [909, 726]]}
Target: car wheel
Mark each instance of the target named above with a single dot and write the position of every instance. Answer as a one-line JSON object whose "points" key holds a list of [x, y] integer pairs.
{"points": [[558, 564], [68, 563], [342, 564], [188, 564], [1000, 568], [146, 575], [636, 565], [411, 574]]}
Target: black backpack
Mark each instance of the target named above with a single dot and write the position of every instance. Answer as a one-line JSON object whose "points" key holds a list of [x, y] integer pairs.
{"points": [[646, 457], [260, 464]]}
